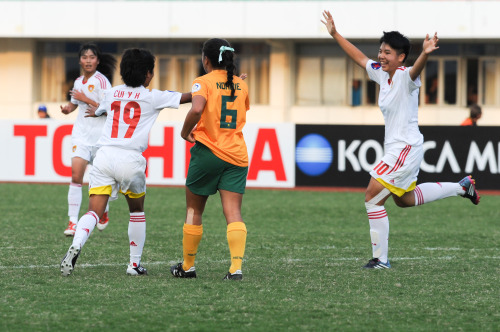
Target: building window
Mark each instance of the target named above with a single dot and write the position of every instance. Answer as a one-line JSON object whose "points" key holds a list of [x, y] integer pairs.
{"points": [[440, 81], [321, 75], [177, 65], [489, 74]]}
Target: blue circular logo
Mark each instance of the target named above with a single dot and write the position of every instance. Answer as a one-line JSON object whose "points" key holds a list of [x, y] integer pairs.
{"points": [[313, 154]]}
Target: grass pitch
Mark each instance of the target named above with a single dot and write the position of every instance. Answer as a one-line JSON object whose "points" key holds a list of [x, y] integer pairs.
{"points": [[302, 268]]}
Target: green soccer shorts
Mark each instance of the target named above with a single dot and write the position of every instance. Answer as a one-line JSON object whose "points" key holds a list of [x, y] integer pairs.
{"points": [[208, 173]]}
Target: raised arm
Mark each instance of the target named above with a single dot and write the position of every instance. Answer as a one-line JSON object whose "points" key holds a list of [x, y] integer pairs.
{"points": [[352, 51], [429, 46]]}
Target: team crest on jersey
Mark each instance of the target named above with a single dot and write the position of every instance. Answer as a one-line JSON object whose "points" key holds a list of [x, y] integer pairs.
{"points": [[74, 148], [91, 88], [196, 87], [376, 65]]}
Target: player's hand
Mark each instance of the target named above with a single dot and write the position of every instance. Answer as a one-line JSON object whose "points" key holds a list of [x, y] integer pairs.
{"points": [[90, 112], [78, 95], [66, 109], [243, 76], [328, 22], [190, 137], [430, 44]]}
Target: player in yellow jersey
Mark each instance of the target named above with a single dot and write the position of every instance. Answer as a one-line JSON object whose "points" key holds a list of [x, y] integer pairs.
{"points": [[219, 159]]}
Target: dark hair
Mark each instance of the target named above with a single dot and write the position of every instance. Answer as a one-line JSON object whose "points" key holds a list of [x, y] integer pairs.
{"points": [[107, 62], [397, 41], [211, 49], [135, 65], [475, 111]]}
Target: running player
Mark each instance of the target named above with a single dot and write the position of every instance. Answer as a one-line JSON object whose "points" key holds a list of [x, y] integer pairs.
{"points": [[219, 159], [396, 174], [119, 165], [87, 91]]}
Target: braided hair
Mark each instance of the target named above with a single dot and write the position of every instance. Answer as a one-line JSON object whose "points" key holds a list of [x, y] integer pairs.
{"points": [[221, 59], [107, 62]]}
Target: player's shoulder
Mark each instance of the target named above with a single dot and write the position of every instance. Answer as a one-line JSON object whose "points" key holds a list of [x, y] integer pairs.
{"points": [[374, 65], [79, 81], [101, 80]]}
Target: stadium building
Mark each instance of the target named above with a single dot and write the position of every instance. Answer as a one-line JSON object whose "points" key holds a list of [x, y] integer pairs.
{"points": [[296, 72]]}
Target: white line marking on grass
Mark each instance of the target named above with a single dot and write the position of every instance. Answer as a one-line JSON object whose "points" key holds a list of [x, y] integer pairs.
{"points": [[286, 260]]}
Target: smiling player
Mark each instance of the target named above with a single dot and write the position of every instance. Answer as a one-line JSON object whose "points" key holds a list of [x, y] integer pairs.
{"points": [[396, 174]]}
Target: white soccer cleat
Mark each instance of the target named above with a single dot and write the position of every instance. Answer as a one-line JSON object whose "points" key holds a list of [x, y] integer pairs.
{"points": [[136, 270], [71, 229], [103, 222]]}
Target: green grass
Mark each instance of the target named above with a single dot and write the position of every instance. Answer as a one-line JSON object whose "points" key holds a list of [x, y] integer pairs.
{"points": [[301, 269]]}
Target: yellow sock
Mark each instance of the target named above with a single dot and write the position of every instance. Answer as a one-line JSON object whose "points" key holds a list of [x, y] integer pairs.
{"points": [[236, 238], [190, 241]]}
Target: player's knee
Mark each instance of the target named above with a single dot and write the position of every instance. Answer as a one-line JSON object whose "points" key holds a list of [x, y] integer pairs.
{"points": [[401, 203]]}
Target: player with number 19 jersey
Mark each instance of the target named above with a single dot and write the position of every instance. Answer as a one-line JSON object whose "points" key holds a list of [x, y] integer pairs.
{"points": [[132, 113], [222, 121]]}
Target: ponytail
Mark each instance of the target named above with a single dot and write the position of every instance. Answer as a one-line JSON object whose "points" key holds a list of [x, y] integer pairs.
{"points": [[227, 60], [107, 64]]}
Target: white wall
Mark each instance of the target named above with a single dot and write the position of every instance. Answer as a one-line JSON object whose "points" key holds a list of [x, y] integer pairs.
{"points": [[246, 19]]}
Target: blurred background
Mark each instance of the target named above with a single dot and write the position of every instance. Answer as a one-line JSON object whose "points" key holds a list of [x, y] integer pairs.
{"points": [[296, 72]]}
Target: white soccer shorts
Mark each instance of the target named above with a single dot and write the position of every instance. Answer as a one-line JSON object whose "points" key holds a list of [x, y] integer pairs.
{"points": [[82, 150], [116, 170], [399, 167]]}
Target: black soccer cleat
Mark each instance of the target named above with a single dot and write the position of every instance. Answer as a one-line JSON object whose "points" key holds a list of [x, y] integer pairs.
{"points": [[469, 185], [376, 263], [233, 276], [178, 272], [69, 261]]}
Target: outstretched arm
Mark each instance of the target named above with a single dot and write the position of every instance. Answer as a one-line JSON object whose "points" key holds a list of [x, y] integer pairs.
{"points": [[429, 46], [352, 51], [186, 98]]}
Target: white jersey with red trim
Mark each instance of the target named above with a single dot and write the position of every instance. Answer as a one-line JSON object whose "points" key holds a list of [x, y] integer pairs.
{"points": [[88, 130], [398, 101], [131, 114]]}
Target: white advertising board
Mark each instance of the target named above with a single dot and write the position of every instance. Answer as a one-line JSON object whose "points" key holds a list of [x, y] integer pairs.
{"points": [[40, 151]]}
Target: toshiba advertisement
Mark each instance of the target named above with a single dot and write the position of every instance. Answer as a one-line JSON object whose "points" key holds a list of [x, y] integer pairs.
{"points": [[342, 156], [39, 151]]}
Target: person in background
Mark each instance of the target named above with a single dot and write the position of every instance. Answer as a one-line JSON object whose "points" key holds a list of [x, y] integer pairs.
{"points": [[42, 112], [475, 114], [97, 69]]}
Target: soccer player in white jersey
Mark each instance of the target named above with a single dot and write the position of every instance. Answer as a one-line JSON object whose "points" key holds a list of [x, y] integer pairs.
{"points": [[119, 165], [87, 91], [396, 174]]}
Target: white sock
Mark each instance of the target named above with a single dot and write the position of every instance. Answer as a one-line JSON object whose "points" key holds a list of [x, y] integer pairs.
{"points": [[379, 232], [107, 207], [432, 191], [136, 236], [74, 201], [84, 228]]}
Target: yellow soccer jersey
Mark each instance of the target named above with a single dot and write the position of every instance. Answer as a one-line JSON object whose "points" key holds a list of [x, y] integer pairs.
{"points": [[221, 124]]}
